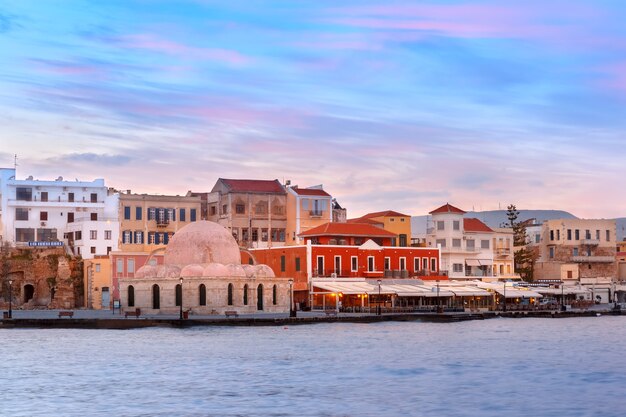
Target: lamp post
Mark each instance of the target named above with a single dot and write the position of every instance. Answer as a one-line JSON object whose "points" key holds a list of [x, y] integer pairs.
{"points": [[438, 306], [504, 295], [562, 295], [292, 311], [378, 310], [181, 299], [10, 298]]}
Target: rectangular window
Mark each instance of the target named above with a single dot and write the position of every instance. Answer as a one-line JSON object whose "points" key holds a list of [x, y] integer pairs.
{"points": [[282, 263], [21, 213], [44, 196], [569, 234], [570, 274], [224, 208], [240, 208], [440, 225], [24, 194], [456, 243], [151, 213], [587, 234], [127, 237], [264, 235], [537, 238], [24, 235], [551, 252], [402, 264], [371, 266], [126, 213], [298, 264], [576, 234], [558, 234], [70, 217], [354, 265], [92, 249], [46, 235], [575, 252], [93, 234], [245, 234], [387, 263], [130, 266], [433, 264], [235, 232], [551, 235], [107, 235], [470, 244], [94, 217], [441, 242], [213, 210], [70, 197], [608, 235], [597, 234], [416, 264], [78, 235], [94, 197], [151, 238], [139, 237], [97, 267], [456, 225], [255, 235], [182, 215], [171, 214], [403, 241], [425, 264], [484, 244], [120, 266], [192, 214], [138, 213], [457, 267]]}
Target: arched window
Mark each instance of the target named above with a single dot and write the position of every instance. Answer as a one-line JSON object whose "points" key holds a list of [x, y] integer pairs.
{"points": [[259, 297], [131, 296], [274, 294], [245, 295], [156, 297], [202, 292], [179, 295], [29, 292], [230, 294]]}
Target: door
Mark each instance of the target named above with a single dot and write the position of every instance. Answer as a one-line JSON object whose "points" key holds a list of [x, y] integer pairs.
{"points": [[106, 298]]}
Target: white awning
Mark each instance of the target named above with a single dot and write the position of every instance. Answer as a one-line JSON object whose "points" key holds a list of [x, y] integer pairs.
{"points": [[346, 287], [469, 292], [472, 262]]}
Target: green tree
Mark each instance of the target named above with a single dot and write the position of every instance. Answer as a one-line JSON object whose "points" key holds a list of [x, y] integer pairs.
{"points": [[524, 255]]}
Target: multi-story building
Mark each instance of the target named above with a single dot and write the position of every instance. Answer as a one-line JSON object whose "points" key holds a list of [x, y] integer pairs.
{"points": [[307, 208], [147, 222], [392, 221], [582, 250], [469, 248], [79, 214], [255, 211]]}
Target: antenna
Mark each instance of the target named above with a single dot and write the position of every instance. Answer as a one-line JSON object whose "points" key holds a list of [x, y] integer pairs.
{"points": [[15, 162]]}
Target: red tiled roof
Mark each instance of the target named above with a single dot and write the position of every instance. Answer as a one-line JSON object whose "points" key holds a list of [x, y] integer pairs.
{"points": [[253, 186], [447, 208], [310, 191], [475, 225], [347, 229], [368, 221], [386, 213]]}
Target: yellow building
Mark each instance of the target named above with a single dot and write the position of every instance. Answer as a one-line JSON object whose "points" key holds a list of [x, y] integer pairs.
{"points": [[97, 282], [307, 208], [147, 222], [392, 221]]}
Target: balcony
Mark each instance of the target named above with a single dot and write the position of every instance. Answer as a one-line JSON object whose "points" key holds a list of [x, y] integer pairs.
{"points": [[590, 242], [162, 222], [459, 249], [316, 213], [503, 252], [593, 259]]}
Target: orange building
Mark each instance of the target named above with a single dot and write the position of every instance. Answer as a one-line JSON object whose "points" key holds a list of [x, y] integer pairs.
{"points": [[392, 221]]}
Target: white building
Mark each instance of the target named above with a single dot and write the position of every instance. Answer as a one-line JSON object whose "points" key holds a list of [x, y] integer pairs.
{"points": [[81, 215], [469, 248]]}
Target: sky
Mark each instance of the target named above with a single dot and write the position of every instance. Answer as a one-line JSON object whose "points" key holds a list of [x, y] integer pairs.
{"points": [[401, 105]]}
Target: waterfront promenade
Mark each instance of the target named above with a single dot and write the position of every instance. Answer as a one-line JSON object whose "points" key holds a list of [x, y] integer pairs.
{"points": [[109, 320]]}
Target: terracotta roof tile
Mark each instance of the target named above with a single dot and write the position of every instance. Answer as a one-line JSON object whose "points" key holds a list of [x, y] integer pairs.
{"points": [[447, 208], [475, 225], [368, 221], [253, 186], [386, 213], [310, 191], [347, 229]]}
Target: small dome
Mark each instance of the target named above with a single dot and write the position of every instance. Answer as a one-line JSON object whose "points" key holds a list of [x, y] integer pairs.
{"points": [[192, 271], [233, 270], [215, 270], [146, 271], [167, 271], [202, 242], [263, 271]]}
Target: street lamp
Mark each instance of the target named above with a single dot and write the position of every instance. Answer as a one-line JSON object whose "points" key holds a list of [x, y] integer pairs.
{"points": [[10, 298], [379, 311], [504, 295], [292, 311], [181, 298], [439, 310]]}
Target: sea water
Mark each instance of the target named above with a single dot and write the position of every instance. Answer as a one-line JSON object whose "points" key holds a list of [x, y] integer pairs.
{"points": [[497, 367]]}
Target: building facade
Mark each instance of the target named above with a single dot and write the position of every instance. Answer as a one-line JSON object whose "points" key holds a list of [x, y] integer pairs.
{"points": [[307, 208], [391, 221], [147, 222], [79, 214], [255, 211]]}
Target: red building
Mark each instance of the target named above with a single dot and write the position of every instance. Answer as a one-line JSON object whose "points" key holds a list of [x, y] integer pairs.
{"points": [[337, 255], [125, 264]]}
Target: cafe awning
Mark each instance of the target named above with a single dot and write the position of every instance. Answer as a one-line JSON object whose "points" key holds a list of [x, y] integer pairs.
{"points": [[472, 262]]}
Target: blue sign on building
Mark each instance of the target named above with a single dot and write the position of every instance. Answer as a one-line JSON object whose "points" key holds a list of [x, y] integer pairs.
{"points": [[45, 244]]}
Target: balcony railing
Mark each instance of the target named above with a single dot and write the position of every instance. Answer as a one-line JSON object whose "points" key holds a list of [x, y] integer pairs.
{"points": [[503, 251], [162, 222], [316, 213], [590, 242]]}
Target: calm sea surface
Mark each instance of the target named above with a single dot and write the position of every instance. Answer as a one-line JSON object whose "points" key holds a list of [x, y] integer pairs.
{"points": [[498, 367]]}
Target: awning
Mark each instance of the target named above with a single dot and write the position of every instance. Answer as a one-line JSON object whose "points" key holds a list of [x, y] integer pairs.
{"points": [[346, 287], [472, 262], [511, 292], [469, 292]]}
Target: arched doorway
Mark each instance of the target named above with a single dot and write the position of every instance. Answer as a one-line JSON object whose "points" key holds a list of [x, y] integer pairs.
{"points": [[230, 294], [156, 297], [245, 295], [131, 296], [202, 292], [259, 297], [179, 295], [29, 292]]}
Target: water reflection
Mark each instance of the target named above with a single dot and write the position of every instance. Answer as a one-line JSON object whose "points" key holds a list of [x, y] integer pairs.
{"points": [[572, 367]]}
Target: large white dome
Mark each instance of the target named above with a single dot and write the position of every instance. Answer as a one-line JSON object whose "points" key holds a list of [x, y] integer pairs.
{"points": [[202, 242]]}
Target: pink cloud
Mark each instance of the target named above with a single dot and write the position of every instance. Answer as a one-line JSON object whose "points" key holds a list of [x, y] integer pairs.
{"points": [[153, 43]]}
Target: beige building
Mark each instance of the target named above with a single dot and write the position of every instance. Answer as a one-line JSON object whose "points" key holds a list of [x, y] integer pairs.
{"points": [[582, 250], [202, 273], [147, 222], [307, 208], [255, 211], [503, 254], [391, 221], [97, 282]]}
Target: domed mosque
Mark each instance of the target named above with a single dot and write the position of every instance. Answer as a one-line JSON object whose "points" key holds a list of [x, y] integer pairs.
{"points": [[204, 260]]}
